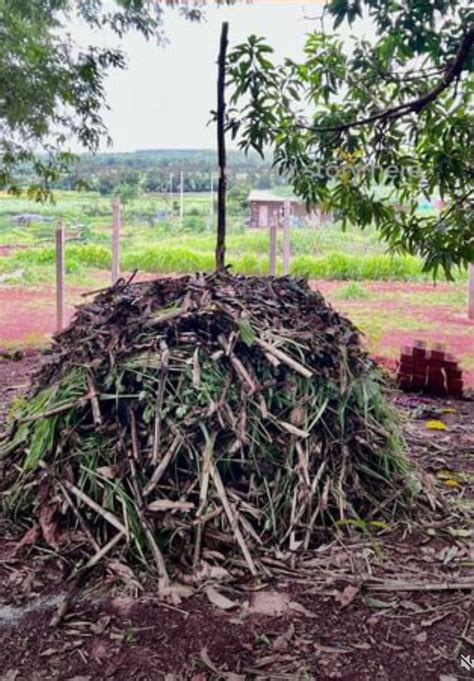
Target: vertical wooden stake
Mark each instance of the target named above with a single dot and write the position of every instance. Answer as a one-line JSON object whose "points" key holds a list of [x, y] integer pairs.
{"points": [[273, 245], [221, 107], [470, 311], [116, 226], [60, 276], [210, 222], [170, 197], [286, 237], [181, 207]]}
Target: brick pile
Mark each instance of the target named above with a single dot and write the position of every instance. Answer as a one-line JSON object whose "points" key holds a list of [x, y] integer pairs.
{"points": [[433, 371]]}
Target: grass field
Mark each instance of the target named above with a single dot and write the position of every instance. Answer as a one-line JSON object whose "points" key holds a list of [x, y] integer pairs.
{"points": [[171, 246]]}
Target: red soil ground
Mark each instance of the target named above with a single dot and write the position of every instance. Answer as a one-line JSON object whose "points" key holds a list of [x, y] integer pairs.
{"points": [[28, 318], [427, 320], [28, 315]]}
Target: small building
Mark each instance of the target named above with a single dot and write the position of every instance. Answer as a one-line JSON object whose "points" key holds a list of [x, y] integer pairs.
{"points": [[266, 206]]}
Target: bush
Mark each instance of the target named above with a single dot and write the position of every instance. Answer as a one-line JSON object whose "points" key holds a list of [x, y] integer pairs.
{"points": [[358, 267], [90, 255], [352, 291], [194, 224], [168, 259]]}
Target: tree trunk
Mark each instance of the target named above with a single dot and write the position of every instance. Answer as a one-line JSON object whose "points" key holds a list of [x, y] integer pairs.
{"points": [[221, 201], [470, 307]]}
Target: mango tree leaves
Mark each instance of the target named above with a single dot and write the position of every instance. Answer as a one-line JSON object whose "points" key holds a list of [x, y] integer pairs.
{"points": [[370, 130]]}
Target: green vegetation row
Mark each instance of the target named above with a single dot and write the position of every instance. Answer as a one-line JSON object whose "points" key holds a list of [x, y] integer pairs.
{"points": [[38, 264]]}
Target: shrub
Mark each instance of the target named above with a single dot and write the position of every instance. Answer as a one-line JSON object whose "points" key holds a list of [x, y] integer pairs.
{"points": [[352, 291]]}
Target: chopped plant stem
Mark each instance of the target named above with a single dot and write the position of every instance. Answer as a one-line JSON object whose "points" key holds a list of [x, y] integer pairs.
{"points": [[215, 418]]}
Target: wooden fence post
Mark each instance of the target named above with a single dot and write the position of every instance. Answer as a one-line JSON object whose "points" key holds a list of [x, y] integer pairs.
{"points": [[470, 311], [273, 245], [116, 226], [286, 237], [60, 276], [181, 200]]}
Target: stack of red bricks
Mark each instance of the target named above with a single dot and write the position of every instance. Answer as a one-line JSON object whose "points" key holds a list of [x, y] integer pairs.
{"points": [[432, 371]]}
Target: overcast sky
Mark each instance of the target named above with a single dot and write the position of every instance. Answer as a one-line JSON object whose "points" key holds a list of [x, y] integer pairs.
{"points": [[164, 98]]}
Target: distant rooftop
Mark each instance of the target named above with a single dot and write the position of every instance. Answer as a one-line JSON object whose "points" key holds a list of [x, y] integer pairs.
{"points": [[265, 195]]}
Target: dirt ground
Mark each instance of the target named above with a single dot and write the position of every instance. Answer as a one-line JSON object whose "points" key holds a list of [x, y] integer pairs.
{"points": [[394, 314], [388, 603]]}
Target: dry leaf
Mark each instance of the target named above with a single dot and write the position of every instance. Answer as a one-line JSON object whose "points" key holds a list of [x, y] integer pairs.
{"points": [[361, 646], [30, 538], [451, 482], [436, 618], [281, 643], [121, 569], [421, 638], [270, 603], [297, 607], [49, 523], [450, 553], [207, 661], [345, 597], [175, 592], [436, 425], [378, 604], [331, 650], [101, 625], [48, 652], [410, 605], [10, 675], [169, 505], [212, 572], [109, 472], [266, 660], [219, 600]]}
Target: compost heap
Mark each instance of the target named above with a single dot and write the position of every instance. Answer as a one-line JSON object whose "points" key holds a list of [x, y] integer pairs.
{"points": [[204, 417]]}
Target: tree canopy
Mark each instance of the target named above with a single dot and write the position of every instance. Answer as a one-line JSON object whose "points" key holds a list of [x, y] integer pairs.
{"points": [[368, 126], [51, 88]]}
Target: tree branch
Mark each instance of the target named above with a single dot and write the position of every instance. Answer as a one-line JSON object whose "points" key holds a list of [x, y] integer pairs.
{"points": [[416, 105]]}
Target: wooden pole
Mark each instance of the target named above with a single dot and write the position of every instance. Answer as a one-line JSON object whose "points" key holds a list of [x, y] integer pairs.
{"points": [[221, 205], [170, 197], [116, 226], [60, 277], [286, 237], [181, 207], [273, 245], [210, 224], [470, 311]]}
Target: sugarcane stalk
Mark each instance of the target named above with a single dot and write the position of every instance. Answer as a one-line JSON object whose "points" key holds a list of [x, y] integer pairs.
{"points": [[133, 456], [232, 520]]}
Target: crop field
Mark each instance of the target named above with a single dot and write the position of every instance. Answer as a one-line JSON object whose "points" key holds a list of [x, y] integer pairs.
{"points": [[389, 297]]}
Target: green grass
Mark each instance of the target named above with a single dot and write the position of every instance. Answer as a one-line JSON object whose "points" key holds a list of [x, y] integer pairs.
{"points": [[352, 291], [179, 256], [320, 253], [376, 324], [38, 263]]}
